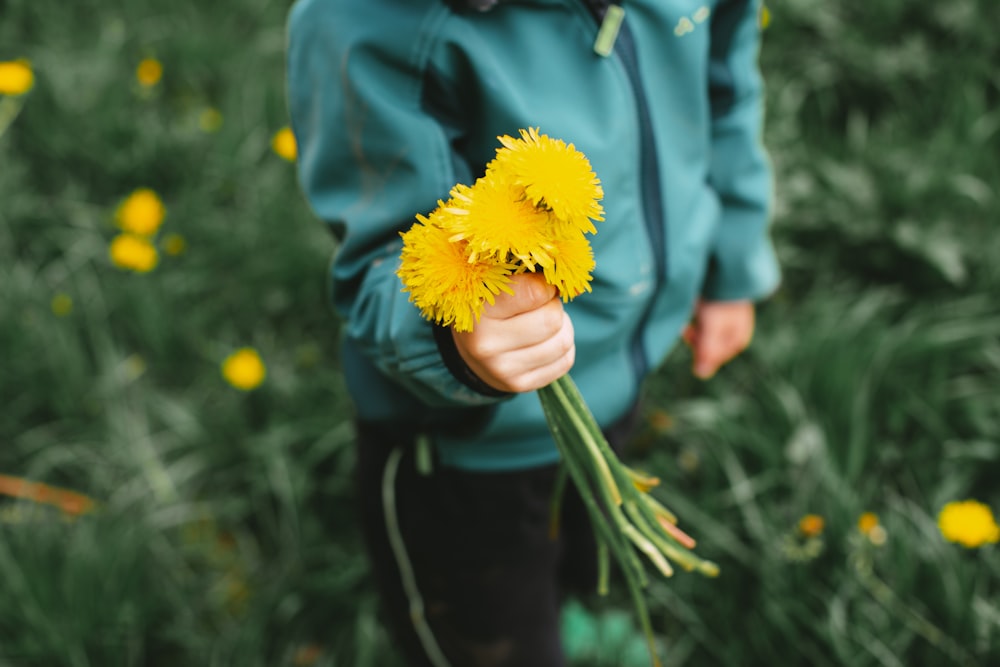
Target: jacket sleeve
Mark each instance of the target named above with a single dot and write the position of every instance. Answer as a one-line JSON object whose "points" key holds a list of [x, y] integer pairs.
{"points": [[370, 158], [743, 263]]}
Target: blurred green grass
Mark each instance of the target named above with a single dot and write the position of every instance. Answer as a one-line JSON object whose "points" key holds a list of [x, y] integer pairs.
{"points": [[225, 532]]}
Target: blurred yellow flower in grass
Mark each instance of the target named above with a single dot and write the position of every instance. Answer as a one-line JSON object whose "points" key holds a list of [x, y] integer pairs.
{"points": [[811, 525], [283, 143], [68, 501], [210, 120], [307, 655], [764, 18], [134, 253], [61, 304], [867, 522], [244, 369], [869, 526], [969, 523], [141, 213], [16, 77], [148, 72], [174, 244]]}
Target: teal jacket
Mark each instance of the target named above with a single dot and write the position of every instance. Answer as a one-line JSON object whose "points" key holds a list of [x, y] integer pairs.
{"points": [[393, 102]]}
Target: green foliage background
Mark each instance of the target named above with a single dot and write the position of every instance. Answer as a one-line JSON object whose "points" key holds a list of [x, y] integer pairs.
{"points": [[225, 533]]}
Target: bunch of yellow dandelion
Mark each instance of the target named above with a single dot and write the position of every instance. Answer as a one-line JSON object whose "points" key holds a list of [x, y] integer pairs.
{"points": [[532, 211]]}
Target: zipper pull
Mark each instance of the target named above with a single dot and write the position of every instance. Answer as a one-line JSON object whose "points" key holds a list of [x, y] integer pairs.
{"points": [[606, 36]]}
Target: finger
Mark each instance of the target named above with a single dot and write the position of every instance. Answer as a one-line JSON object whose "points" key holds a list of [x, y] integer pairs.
{"points": [[530, 291], [689, 334], [710, 352], [536, 367], [493, 337]]}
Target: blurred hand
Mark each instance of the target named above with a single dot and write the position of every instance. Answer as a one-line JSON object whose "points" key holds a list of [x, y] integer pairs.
{"points": [[719, 331], [522, 342]]}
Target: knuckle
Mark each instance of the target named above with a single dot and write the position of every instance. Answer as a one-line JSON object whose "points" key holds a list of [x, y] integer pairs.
{"points": [[566, 343], [552, 319], [519, 385], [569, 359], [538, 290]]}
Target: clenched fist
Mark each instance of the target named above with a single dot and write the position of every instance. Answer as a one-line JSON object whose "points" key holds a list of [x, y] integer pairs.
{"points": [[719, 331], [522, 342]]}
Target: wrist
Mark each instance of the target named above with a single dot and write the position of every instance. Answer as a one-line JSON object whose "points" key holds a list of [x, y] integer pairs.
{"points": [[456, 365]]}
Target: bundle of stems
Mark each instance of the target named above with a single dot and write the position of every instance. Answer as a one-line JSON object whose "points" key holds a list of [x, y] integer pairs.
{"points": [[624, 516]]}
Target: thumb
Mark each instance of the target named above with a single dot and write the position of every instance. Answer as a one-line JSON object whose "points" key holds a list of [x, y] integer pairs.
{"points": [[530, 291]]}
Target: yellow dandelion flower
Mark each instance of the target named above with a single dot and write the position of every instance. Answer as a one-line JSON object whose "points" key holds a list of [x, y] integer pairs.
{"points": [[210, 120], [969, 523], [498, 223], [554, 175], [764, 18], [141, 213], [869, 526], [16, 77], [811, 525], [134, 367], [148, 72], [573, 261], [443, 283], [283, 143], [134, 253], [61, 304], [307, 655], [867, 522], [244, 369], [174, 244]]}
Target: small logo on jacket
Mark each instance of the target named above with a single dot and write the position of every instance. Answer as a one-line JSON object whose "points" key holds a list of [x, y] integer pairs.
{"points": [[688, 24]]}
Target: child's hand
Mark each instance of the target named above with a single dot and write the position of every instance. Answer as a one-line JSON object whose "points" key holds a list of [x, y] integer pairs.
{"points": [[522, 342], [719, 331]]}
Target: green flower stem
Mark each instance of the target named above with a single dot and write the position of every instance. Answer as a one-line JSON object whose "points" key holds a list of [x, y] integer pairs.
{"points": [[590, 435], [573, 402], [10, 107], [648, 548], [645, 521], [603, 567], [625, 517], [635, 579], [557, 421], [659, 509]]}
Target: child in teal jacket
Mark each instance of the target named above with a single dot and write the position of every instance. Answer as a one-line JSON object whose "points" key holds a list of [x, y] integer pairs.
{"points": [[393, 102]]}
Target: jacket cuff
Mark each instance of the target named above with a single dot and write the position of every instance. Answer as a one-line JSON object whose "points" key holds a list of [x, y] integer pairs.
{"points": [[456, 365], [742, 267]]}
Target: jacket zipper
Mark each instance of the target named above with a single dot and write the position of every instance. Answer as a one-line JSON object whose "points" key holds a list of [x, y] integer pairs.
{"points": [[652, 202]]}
